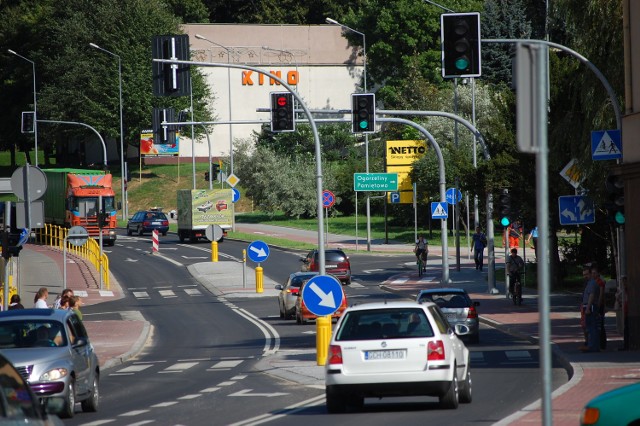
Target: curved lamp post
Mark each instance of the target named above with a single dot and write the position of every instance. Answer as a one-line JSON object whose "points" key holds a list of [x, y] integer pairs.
{"points": [[35, 102], [123, 174]]}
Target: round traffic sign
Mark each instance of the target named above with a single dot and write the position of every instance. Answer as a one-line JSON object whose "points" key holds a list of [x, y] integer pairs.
{"points": [[453, 196], [322, 295], [213, 232], [235, 195], [328, 199], [77, 236], [31, 177], [258, 251]]}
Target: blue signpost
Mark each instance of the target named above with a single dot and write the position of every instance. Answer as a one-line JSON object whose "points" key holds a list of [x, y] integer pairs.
{"points": [[453, 196], [439, 210], [576, 210], [258, 251], [235, 195], [322, 295]]}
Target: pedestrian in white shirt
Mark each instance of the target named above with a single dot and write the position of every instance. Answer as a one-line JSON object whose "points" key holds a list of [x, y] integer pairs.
{"points": [[40, 299]]}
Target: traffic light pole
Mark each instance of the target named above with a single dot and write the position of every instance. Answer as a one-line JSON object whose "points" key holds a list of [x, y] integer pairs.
{"points": [[314, 130]]}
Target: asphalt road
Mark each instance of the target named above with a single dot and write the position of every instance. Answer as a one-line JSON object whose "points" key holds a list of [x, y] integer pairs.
{"points": [[199, 366]]}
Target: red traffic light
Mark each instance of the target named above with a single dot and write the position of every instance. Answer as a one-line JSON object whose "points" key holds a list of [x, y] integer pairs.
{"points": [[282, 101]]}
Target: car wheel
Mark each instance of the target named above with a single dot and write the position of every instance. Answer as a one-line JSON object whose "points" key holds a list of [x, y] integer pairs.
{"points": [[181, 236], [450, 399], [68, 409], [140, 231], [335, 402], [465, 389], [129, 232], [282, 312], [298, 318], [90, 404]]}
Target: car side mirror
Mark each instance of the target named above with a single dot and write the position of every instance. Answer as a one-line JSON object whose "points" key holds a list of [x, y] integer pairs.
{"points": [[79, 342], [279, 287], [461, 329]]}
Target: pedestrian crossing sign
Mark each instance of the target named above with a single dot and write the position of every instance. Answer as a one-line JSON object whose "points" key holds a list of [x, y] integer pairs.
{"points": [[439, 210], [606, 145]]}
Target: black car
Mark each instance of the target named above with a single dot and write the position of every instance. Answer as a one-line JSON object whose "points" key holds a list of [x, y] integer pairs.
{"points": [[147, 221]]}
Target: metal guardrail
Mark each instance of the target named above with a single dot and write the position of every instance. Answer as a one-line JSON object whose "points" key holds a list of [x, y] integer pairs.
{"points": [[54, 236]]}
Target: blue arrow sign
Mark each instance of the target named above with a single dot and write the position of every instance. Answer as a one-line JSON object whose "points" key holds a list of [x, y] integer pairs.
{"points": [[235, 195], [576, 210], [258, 251], [606, 144], [322, 295], [453, 195], [439, 210]]}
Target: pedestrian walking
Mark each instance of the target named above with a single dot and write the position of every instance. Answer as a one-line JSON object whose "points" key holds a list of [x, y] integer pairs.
{"points": [[533, 239], [14, 303], [66, 292], [590, 305], [601, 308], [75, 302], [40, 299], [479, 242]]}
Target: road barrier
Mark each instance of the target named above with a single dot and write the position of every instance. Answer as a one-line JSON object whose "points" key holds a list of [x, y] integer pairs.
{"points": [[54, 236]]}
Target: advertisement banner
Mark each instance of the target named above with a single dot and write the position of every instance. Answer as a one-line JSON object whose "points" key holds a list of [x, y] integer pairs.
{"points": [[149, 148], [211, 207], [400, 156]]}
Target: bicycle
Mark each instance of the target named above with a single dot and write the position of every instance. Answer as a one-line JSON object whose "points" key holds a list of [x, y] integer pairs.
{"points": [[422, 263], [516, 286]]}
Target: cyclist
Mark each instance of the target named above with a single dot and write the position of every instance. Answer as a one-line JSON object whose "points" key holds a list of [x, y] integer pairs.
{"points": [[515, 266], [421, 249]]}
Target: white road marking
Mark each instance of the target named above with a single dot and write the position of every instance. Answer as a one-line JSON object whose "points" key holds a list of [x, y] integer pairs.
{"points": [[226, 364], [209, 390], [179, 367], [141, 294], [134, 368], [247, 392], [167, 293], [193, 292], [133, 413], [400, 281], [192, 396], [164, 404]]}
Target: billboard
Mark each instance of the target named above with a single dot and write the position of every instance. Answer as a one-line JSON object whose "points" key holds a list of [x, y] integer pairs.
{"points": [[149, 148], [400, 156]]}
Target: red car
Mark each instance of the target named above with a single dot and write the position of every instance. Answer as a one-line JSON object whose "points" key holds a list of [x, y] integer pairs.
{"points": [[336, 263]]}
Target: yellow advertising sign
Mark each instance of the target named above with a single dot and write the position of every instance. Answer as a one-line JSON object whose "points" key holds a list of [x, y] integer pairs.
{"points": [[404, 153]]}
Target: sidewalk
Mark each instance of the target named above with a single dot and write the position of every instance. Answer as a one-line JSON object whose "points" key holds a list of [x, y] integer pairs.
{"points": [[116, 341]]}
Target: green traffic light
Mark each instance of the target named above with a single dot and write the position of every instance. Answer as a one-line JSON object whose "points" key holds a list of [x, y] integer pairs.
{"points": [[505, 221], [364, 124], [462, 63], [619, 218]]}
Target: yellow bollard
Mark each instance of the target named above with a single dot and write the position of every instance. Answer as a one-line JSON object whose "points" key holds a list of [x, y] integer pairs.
{"points": [[323, 337], [214, 251], [259, 278]]}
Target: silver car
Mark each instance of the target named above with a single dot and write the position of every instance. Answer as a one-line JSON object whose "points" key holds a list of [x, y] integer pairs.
{"points": [[51, 350], [457, 307], [289, 292]]}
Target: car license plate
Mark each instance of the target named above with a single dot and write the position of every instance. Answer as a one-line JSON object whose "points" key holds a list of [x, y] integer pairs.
{"points": [[156, 223], [451, 316], [331, 266], [386, 354]]}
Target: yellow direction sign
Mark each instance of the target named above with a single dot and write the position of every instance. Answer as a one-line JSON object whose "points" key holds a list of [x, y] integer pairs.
{"points": [[572, 174]]}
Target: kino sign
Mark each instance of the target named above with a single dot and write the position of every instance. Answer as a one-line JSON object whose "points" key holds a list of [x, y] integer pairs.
{"points": [[375, 182]]}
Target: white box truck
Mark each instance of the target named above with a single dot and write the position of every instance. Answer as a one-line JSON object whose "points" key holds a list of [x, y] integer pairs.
{"points": [[200, 208]]}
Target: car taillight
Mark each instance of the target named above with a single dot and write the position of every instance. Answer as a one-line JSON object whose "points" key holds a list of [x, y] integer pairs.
{"points": [[435, 351], [146, 223], [165, 222], [590, 416], [335, 354], [472, 312], [294, 290]]}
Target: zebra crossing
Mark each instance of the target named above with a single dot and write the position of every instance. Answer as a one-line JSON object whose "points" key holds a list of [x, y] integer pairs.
{"points": [[179, 366], [166, 292]]}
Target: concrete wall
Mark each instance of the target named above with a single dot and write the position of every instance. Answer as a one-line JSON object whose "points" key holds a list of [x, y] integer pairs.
{"points": [[328, 71]]}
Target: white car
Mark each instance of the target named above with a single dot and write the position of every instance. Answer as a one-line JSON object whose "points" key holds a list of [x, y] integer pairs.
{"points": [[396, 349]]}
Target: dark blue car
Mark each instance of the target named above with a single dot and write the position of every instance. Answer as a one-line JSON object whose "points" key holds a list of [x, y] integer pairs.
{"points": [[147, 221]]}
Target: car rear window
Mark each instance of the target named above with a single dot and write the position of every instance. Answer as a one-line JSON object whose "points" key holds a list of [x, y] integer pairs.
{"points": [[392, 323], [332, 256], [447, 300]]}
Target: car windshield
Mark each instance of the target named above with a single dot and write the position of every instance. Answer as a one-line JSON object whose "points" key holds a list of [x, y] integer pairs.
{"points": [[31, 334], [376, 324], [333, 256]]}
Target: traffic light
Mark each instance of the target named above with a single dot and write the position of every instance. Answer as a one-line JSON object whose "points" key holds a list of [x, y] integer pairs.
{"points": [[171, 79], [215, 167], [505, 207], [615, 199], [10, 244], [282, 112], [163, 134], [460, 37], [363, 113], [206, 176], [28, 121]]}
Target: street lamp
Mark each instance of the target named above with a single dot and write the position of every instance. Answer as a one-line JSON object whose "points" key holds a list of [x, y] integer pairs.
{"points": [[366, 135], [123, 171], [35, 102]]}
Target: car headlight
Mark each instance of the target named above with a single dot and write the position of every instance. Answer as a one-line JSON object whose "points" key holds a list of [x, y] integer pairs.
{"points": [[55, 374]]}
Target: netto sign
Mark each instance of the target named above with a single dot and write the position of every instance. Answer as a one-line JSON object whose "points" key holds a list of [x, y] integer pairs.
{"points": [[405, 153]]}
